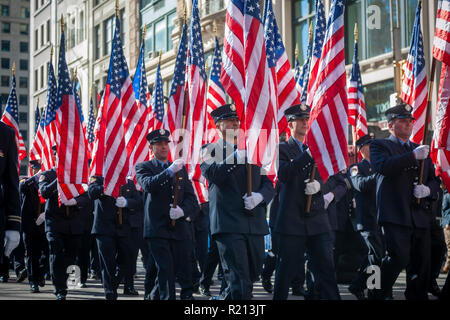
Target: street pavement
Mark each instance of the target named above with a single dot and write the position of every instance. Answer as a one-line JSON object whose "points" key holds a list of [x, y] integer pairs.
{"points": [[94, 291]]}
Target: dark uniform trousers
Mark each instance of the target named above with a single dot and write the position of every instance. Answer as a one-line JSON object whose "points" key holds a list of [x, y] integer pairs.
{"points": [[200, 235], [34, 238], [212, 261], [239, 233], [9, 184], [364, 179], [405, 224], [170, 246], [63, 231], [113, 239], [301, 232]]}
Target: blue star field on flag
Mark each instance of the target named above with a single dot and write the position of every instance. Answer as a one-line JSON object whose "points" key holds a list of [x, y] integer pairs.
{"points": [[91, 123], [196, 55], [64, 84], [158, 97], [37, 119], [274, 43], [118, 71], [216, 65], [50, 110], [180, 65], [140, 79], [11, 104]]}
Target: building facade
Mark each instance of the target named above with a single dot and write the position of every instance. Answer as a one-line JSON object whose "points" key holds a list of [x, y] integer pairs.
{"points": [[15, 47]]}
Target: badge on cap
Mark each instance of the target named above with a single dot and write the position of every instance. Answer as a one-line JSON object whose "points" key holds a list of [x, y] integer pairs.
{"points": [[303, 107], [162, 131], [354, 171], [408, 108], [232, 107]]}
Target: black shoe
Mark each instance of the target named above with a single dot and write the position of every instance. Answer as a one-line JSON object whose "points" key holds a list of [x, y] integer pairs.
{"points": [[82, 285], [358, 293], [4, 279], [298, 291], [434, 289], [34, 288], [41, 282], [22, 275], [60, 296], [147, 296], [205, 292], [267, 285], [130, 292]]}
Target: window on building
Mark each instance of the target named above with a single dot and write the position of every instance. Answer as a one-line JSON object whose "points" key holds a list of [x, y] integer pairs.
{"points": [[6, 45], [42, 77], [5, 81], [123, 25], [42, 2], [36, 5], [49, 31], [24, 28], [376, 97], [3, 98], [36, 39], [23, 64], [42, 35], [373, 18], [211, 6], [23, 82], [5, 11], [303, 13], [36, 80], [5, 63], [24, 12], [6, 27], [23, 47], [23, 117], [97, 37], [24, 133], [107, 35], [81, 29], [23, 100], [158, 36]]}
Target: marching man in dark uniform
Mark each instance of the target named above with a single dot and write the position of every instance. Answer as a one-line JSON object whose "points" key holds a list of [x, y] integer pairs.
{"points": [[33, 218], [63, 226], [166, 228], [405, 223], [296, 229], [237, 221], [9, 192], [364, 179], [113, 234]]}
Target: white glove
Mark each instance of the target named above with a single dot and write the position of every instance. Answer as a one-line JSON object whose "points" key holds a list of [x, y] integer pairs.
{"points": [[421, 191], [40, 219], [71, 202], [177, 165], [121, 202], [421, 152], [176, 213], [252, 201], [327, 198], [12, 239], [312, 187]]}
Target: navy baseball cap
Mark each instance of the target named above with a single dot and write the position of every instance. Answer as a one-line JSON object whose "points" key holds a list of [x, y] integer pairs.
{"points": [[225, 112], [299, 111], [158, 135], [400, 111]]}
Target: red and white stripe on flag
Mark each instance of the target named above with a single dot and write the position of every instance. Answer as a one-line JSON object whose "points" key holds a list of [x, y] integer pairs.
{"points": [[441, 44], [328, 123]]}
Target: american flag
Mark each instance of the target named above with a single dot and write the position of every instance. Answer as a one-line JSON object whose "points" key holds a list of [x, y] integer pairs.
{"points": [[356, 105], [440, 145], [328, 124], [216, 93], [119, 117], [414, 82], [232, 74], [173, 119], [37, 118], [297, 68], [260, 99], [303, 80], [441, 44], [46, 134], [76, 86], [157, 101], [141, 152], [11, 118], [319, 37], [196, 119], [71, 144], [285, 87], [90, 126]]}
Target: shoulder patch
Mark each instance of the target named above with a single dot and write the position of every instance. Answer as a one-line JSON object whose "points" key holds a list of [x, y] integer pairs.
{"points": [[41, 178], [354, 171]]}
